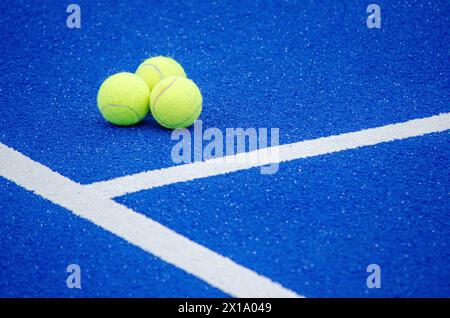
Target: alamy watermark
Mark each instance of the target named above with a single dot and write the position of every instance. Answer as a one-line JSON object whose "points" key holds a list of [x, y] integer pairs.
{"points": [[74, 278], [73, 21], [240, 146], [374, 19], [374, 279]]}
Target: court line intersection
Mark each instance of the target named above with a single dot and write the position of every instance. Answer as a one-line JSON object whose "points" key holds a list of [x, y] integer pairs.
{"points": [[94, 202]]}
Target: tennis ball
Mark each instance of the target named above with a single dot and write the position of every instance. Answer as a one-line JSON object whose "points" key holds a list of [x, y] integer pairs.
{"points": [[154, 69], [175, 102], [123, 99]]}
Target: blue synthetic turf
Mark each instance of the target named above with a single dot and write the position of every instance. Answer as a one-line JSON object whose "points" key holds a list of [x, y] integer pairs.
{"points": [[310, 68], [317, 224], [39, 241]]}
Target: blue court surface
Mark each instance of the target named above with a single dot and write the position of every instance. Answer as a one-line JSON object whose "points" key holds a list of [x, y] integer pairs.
{"points": [[364, 157]]}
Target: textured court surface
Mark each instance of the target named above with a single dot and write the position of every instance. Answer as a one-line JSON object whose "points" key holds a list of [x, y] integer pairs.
{"points": [[311, 69]]}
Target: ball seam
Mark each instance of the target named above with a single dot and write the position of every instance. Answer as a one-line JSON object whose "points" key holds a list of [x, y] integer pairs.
{"points": [[194, 113], [156, 68], [153, 107], [139, 117], [190, 118]]}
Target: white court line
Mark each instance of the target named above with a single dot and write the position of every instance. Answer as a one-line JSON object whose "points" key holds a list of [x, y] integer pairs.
{"points": [[213, 268], [92, 202], [304, 149]]}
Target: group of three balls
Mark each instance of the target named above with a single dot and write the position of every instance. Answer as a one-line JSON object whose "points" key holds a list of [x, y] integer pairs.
{"points": [[159, 85]]}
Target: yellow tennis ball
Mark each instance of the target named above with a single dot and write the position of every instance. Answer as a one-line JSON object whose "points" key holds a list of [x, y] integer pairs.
{"points": [[123, 99], [154, 69], [175, 102]]}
